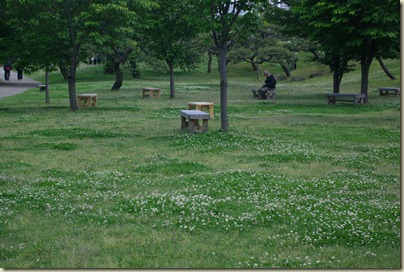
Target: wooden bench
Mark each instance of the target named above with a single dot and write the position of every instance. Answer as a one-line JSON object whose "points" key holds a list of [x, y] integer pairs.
{"points": [[151, 92], [190, 120], [332, 98], [202, 106], [270, 94], [87, 100], [384, 91]]}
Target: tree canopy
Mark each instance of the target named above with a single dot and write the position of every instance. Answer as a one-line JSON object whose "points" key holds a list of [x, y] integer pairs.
{"points": [[46, 34], [168, 31], [346, 30]]}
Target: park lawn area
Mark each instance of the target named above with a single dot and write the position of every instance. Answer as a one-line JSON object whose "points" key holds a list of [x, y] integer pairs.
{"points": [[294, 183]]}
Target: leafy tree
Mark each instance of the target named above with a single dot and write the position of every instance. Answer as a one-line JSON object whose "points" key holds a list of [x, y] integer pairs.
{"points": [[116, 31], [51, 31], [346, 30], [5, 33], [266, 44], [377, 28], [168, 33], [226, 18]]}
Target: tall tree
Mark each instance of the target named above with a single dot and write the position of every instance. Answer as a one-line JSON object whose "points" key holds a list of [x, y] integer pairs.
{"points": [[116, 30], [169, 29], [225, 19], [53, 31], [346, 30], [266, 44], [377, 28], [39, 22]]}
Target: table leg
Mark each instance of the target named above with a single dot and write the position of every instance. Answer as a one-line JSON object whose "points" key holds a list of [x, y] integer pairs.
{"points": [[205, 125]]}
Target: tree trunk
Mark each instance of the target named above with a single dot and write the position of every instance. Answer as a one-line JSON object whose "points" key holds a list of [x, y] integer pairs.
{"points": [[286, 70], [73, 66], [134, 70], [64, 72], [47, 99], [388, 73], [209, 62], [122, 57], [72, 78], [366, 61], [118, 76], [72, 89], [365, 79], [172, 85], [223, 87], [336, 82], [338, 73], [253, 64]]}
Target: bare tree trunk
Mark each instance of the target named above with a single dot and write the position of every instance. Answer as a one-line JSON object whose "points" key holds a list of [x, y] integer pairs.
{"points": [[64, 72], [73, 65], [253, 64], [47, 99], [118, 77], [72, 77], [388, 73], [286, 70], [366, 61], [338, 72], [209, 62], [122, 57], [223, 87], [336, 81], [172, 84]]}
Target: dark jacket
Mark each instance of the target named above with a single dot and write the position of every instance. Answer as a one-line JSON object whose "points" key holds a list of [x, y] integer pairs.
{"points": [[270, 82]]}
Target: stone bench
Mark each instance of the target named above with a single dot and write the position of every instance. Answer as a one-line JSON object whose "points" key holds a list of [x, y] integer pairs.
{"points": [[332, 98], [384, 91], [190, 120]]}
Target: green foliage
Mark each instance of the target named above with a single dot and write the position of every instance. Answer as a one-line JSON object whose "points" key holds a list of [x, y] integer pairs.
{"points": [[169, 30]]}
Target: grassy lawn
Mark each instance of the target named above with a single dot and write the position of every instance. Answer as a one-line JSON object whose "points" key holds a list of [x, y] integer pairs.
{"points": [[295, 183]]}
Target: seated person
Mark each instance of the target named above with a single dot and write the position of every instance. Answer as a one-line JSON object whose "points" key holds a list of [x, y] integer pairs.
{"points": [[269, 85]]}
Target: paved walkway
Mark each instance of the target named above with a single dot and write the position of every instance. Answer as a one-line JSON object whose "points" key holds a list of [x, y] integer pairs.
{"points": [[15, 86]]}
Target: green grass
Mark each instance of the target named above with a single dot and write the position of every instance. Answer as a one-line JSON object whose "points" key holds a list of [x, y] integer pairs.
{"points": [[295, 183]]}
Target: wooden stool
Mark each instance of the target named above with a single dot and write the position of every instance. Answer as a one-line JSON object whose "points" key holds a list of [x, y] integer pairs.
{"points": [[202, 106], [190, 119], [151, 92], [87, 100]]}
